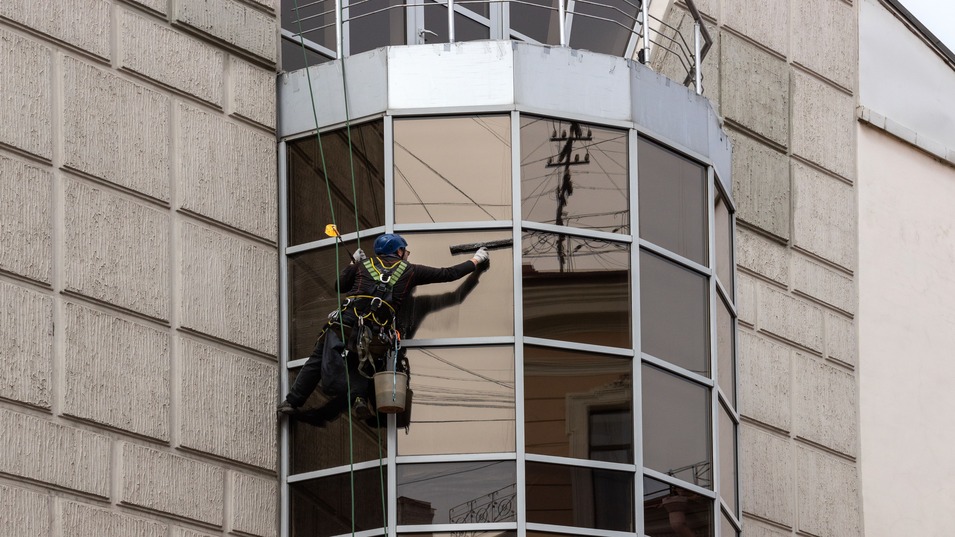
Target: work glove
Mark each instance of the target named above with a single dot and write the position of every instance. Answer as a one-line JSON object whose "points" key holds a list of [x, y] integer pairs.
{"points": [[481, 256], [359, 256]]}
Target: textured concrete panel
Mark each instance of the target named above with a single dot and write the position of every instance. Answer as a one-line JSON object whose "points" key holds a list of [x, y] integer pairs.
{"points": [[171, 57], [755, 88], [26, 221], [227, 172], [81, 23], [117, 250], [26, 345], [761, 185], [762, 256], [80, 520], [769, 471], [824, 124], [150, 475], [746, 298], [768, 25], [183, 532], [26, 78], [106, 132], [231, 22], [117, 372], [24, 512], [832, 51], [253, 92], [765, 370], [228, 288], [824, 284], [842, 342], [827, 494], [790, 318], [37, 449], [253, 505], [824, 216], [755, 528], [825, 405], [156, 5], [228, 404]]}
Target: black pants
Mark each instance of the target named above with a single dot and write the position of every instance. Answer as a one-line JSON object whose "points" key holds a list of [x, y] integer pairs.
{"points": [[327, 365]]}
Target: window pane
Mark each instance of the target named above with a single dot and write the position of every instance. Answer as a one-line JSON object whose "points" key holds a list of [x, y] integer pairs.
{"points": [[727, 434], [322, 507], [671, 511], [313, 282], [574, 174], [372, 24], [578, 404], [724, 245], [727, 529], [309, 211], [469, 533], [318, 435], [576, 289], [481, 304], [676, 427], [453, 169], [538, 23], [583, 497], [465, 28], [463, 401], [672, 201], [725, 347], [590, 33], [457, 493], [318, 22], [292, 58], [674, 316]]}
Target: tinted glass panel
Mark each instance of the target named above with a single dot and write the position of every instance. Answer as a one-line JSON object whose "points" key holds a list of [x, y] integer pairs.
{"points": [[727, 529], [591, 31], [724, 245], [672, 201], [676, 427], [674, 316], [375, 23], [727, 434], [469, 533], [318, 435], [465, 29], [536, 19], [480, 304], [322, 507], [292, 58], [576, 289], [463, 401], [309, 193], [583, 497], [313, 283], [578, 405], [317, 20], [457, 493], [453, 169], [726, 375], [574, 174], [672, 511]]}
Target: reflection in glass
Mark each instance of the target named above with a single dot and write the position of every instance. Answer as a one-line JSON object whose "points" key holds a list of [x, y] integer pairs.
{"points": [[724, 244], [293, 59], [725, 363], [322, 507], [671, 511], [313, 447], [454, 169], [727, 529], [578, 404], [465, 28], [576, 289], [374, 23], [727, 434], [672, 201], [457, 493], [476, 306], [317, 22], [582, 497], [469, 533], [604, 27], [676, 427], [674, 316], [308, 199], [536, 19], [313, 282], [463, 401], [574, 174]]}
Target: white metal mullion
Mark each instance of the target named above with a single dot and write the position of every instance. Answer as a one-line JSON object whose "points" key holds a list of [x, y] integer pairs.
{"points": [[581, 347], [580, 463], [578, 531], [452, 226], [392, 471], [678, 371], [462, 457], [676, 258], [670, 480], [516, 211], [637, 364], [284, 503], [575, 232], [714, 359]]}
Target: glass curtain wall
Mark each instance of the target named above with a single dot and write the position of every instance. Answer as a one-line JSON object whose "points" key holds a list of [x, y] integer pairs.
{"points": [[583, 383]]}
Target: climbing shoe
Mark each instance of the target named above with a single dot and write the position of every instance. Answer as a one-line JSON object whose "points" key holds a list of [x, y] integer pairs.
{"points": [[360, 409], [285, 409]]}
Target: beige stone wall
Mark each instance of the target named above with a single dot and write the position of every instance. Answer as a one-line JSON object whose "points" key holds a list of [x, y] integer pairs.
{"points": [[138, 265], [783, 74]]}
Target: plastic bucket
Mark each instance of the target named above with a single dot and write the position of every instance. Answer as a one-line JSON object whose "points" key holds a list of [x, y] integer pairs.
{"points": [[391, 389]]}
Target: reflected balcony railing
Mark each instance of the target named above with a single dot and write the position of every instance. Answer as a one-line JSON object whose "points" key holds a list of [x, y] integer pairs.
{"points": [[331, 29], [497, 506]]}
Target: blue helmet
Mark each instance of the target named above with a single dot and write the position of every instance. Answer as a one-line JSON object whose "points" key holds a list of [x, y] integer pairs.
{"points": [[389, 243]]}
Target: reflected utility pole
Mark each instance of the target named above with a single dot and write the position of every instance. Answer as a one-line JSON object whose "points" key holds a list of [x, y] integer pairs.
{"points": [[566, 186]]}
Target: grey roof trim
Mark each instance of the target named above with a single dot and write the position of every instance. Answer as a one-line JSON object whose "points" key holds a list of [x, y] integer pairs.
{"points": [[912, 20], [928, 145]]}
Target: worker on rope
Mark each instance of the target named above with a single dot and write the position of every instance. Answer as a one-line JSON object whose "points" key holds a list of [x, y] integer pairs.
{"points": [[366, 319]]}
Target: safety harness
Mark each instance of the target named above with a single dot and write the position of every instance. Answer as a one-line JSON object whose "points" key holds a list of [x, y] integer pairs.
{"points": [[374, 335]]}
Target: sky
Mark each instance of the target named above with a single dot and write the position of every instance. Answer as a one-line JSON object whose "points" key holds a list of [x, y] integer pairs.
{"points": [[936, 15]]}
